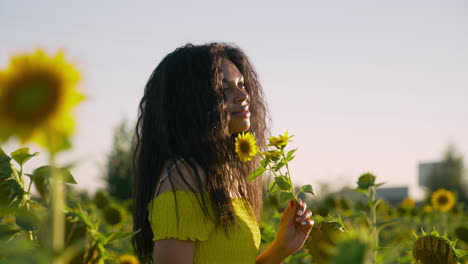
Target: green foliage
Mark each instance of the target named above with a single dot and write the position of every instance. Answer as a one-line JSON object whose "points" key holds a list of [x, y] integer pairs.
{"points": [[12, 192], [91, 236], [449, 174], [25, 223], [354, 247], [275, 160], [119, 165], [22, 155]]}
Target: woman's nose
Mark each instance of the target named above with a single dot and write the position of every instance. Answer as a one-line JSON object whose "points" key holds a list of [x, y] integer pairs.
{"points": [[241, 95]]}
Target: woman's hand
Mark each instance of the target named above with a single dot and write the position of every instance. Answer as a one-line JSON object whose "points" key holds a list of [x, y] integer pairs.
{"points": [[294, 227]]}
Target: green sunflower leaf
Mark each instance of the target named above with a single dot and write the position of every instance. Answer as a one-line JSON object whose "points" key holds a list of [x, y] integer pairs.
{"points": [[279, 166], [259, 171], [382, 224], [283, 183], [41, 178], [46, 171], [307, 189], [118, 235], [22, 155], [7, 231], [291, 152], [273, 188], [460, 253], [27, 220]]}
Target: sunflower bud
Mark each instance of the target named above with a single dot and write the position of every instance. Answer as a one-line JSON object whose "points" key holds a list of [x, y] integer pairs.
{"points": [[113, 215], [366, 180]]}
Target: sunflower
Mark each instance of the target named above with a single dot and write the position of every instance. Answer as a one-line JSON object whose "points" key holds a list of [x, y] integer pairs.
{"points": [[245, 146], [113, 215], [434, 248], [37, 94], [427, 209], [281, 141], [408, 204], [443, 200], [127, 259], [366, 180]]}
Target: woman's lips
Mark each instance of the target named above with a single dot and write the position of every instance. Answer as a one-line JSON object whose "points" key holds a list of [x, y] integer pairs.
{"points": [[244, 114]]}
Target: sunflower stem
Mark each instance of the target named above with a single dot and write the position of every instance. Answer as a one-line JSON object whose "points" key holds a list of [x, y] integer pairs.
{"points": [[373, 218], [289, 176], [28, 199], [58, 223], [444, 222]]}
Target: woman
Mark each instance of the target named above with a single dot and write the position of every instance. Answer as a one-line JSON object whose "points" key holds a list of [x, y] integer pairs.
{"points": [[192, 202]]}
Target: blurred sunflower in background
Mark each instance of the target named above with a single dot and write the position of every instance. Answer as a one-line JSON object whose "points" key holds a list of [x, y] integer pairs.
{"points": [[443, 200], [127, 259], [113, 215], [427, 209], [408, 204], [37, 94]]}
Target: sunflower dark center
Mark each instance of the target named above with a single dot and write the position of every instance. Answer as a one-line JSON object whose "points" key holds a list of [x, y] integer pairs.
{"points": [[244, 147], [442, 200], [32, 100]]}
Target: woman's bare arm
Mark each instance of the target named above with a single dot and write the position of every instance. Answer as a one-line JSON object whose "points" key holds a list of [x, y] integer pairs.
{"points": [[173, 251]]}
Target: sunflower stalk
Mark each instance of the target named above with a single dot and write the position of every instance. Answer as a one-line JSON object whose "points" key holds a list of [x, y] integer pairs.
{"points": [[373, 218], [27, 196], [368, 186], [289, 176], [58, 206]]}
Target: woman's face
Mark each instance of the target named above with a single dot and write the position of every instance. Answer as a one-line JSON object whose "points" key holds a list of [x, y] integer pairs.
{"points": [[237, 99]]}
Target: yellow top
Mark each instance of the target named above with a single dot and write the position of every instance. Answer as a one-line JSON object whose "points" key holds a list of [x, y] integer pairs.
{"points": [[211, 243]]}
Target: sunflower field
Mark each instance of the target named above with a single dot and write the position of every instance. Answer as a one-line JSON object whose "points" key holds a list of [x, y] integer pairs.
{"points": [[38, 93]]}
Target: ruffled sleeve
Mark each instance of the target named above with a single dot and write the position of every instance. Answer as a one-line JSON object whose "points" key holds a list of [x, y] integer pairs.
{"points": [[180, 216]]}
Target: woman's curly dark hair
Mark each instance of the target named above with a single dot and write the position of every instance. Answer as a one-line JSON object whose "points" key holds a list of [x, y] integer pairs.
{"points": [[183, 115]]}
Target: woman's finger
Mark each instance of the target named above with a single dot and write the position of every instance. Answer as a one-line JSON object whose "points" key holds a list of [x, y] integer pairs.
{"points": [[301, 207], [306, 226], [305, 216]]}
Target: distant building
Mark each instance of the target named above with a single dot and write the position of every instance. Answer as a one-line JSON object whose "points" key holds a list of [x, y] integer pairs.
{"points": [[424, 171], [393, 195]]}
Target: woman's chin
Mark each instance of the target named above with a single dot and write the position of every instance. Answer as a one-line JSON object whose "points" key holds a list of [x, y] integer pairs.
{"points": [[239, 127]]}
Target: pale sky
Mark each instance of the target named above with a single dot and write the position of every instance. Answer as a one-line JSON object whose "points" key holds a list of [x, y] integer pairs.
{"points": [[364, 85]]}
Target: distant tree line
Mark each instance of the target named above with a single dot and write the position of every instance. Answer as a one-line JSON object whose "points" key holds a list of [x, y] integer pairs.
{"points": [[450, 174], [119, 166]]}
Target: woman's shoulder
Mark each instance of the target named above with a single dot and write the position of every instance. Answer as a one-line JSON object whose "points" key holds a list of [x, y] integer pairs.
{"points": [[181, 175]]}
